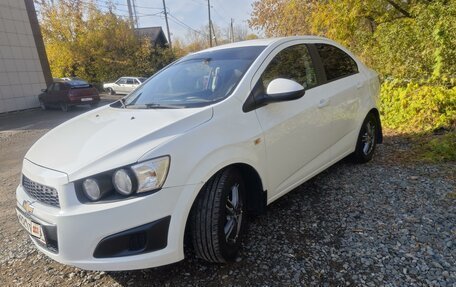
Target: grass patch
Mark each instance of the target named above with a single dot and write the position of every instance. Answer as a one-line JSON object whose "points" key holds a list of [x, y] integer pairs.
{"points": [[439, 148]]}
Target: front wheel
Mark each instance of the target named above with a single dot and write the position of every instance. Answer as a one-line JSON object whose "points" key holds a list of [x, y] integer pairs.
{"points": [[367, 140], [218, 217], [110, 91]]}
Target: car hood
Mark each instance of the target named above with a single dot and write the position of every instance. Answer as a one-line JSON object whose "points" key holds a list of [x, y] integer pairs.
{"points": [[108, 138]]}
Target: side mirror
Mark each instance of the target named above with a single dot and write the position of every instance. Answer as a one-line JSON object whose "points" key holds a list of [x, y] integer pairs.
{"points": [[44, 90], [280, 90]]}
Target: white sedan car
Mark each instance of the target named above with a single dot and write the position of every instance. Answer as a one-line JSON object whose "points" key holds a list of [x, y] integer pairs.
{"points": [[216, 135], [123, 85]]}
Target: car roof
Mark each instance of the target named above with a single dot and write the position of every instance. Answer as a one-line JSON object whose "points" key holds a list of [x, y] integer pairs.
{"points": [[263, 42]]}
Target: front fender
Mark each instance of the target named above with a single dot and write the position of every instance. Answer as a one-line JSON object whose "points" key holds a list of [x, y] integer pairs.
{"points": [[202, 172]]}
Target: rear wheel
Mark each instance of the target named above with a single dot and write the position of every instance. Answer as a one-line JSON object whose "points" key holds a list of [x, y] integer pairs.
{"points": [[367, 140], [64, 107], [218, 217]]}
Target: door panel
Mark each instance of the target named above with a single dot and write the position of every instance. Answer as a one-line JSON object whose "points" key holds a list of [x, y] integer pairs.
{"points": [[54, 94], [120, 86], [47, 98], [129, 86], [345, 83], [62, 94], [295, 132], [345, 104]]}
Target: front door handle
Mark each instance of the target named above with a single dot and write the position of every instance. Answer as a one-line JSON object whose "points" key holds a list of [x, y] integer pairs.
{"points": [[323, 103]]}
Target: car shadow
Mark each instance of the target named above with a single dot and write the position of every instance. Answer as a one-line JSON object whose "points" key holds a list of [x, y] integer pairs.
{"points": [[37, 119]]}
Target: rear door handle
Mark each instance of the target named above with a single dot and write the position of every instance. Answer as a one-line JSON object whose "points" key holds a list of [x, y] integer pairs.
{"points": [[359, 85], [323, 103]]}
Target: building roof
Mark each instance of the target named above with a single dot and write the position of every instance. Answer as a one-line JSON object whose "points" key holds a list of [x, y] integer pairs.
{"points": [[155, 34]]}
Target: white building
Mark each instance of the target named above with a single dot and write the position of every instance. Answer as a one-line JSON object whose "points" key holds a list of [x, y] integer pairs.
{"points": [[24, 68]]}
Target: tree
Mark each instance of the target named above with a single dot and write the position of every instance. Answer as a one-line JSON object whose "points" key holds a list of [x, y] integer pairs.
{"points": [[411, 39], [81, 40]]}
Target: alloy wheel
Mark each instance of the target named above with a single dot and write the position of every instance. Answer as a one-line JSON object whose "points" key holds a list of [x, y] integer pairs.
{"points": [[234, 212], [368, 138]]}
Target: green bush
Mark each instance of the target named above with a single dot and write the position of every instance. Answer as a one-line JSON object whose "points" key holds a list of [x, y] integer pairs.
{"points": [[416, 107], [441, 148]]}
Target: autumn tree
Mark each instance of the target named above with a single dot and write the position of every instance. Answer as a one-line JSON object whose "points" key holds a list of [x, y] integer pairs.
{"points": [[411, 39], [82, 40]]}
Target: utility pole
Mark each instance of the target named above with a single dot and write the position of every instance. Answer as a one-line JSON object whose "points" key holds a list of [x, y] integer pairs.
{"points": [[167, 26], [232, 30], [130, 12], [134, 13], [215, 36], [210, 22]]}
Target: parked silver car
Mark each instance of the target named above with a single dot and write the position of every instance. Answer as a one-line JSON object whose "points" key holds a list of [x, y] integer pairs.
{"points": [[123, 85]]}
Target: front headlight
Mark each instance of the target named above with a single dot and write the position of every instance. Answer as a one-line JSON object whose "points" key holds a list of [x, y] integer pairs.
{"points": [[123, 182], [95, 189], [127, 181], [151, 174]]}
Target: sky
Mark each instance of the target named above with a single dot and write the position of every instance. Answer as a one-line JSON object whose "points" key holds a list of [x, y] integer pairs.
{"points": [[185, 15]]}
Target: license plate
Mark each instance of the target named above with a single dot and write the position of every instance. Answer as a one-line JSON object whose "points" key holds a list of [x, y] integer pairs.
{"points": [[32, 227], [86, 99]]}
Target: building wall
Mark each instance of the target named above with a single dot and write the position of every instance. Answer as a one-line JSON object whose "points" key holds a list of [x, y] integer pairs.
{"points": [[21, 60]]}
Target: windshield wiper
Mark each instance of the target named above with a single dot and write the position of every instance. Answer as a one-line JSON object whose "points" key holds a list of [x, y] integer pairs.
{"points": [[160, 106], [154, 106]]}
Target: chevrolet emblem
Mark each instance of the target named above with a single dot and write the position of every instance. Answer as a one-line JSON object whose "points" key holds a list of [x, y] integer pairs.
{"points": [[27, 206]]}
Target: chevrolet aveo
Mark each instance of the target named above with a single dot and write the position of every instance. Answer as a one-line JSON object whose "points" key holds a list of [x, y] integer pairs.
{"points": [[211, 138]]}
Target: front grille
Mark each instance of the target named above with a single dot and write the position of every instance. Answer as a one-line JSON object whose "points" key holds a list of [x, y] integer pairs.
{"points": [[42, 193]]}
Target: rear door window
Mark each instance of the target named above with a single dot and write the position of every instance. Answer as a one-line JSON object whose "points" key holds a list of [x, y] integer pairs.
{"points": [[336, 63], [130, 82]]}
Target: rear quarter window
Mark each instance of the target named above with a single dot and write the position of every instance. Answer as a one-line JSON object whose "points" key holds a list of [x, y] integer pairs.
{"points": [[336, 63]]}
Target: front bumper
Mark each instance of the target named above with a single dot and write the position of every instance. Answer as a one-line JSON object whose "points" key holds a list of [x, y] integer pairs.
{"points": [[80, 228]]}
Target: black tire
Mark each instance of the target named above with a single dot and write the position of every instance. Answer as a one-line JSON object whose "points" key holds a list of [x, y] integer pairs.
{"points": [[367, 140], [211, 215], [110, 91], [43, 105], [64, 107]]}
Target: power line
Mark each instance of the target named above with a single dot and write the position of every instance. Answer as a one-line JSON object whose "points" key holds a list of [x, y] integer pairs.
{"points": [[220, 15], [121, 4], [158, 14], [198, 2], [182, 24]]}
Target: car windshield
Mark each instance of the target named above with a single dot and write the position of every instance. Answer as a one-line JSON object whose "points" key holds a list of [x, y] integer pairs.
{"points": [[194, 81]]}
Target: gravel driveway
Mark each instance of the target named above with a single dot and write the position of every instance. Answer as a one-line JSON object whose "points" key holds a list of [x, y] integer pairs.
{"points": [[388, 222]]}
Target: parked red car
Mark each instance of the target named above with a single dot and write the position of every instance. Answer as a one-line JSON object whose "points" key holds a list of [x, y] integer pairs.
{"points": [[65, 94]]}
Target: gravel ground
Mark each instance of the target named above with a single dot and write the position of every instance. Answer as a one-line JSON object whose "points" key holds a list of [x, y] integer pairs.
{"points": [[388, 222]]}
